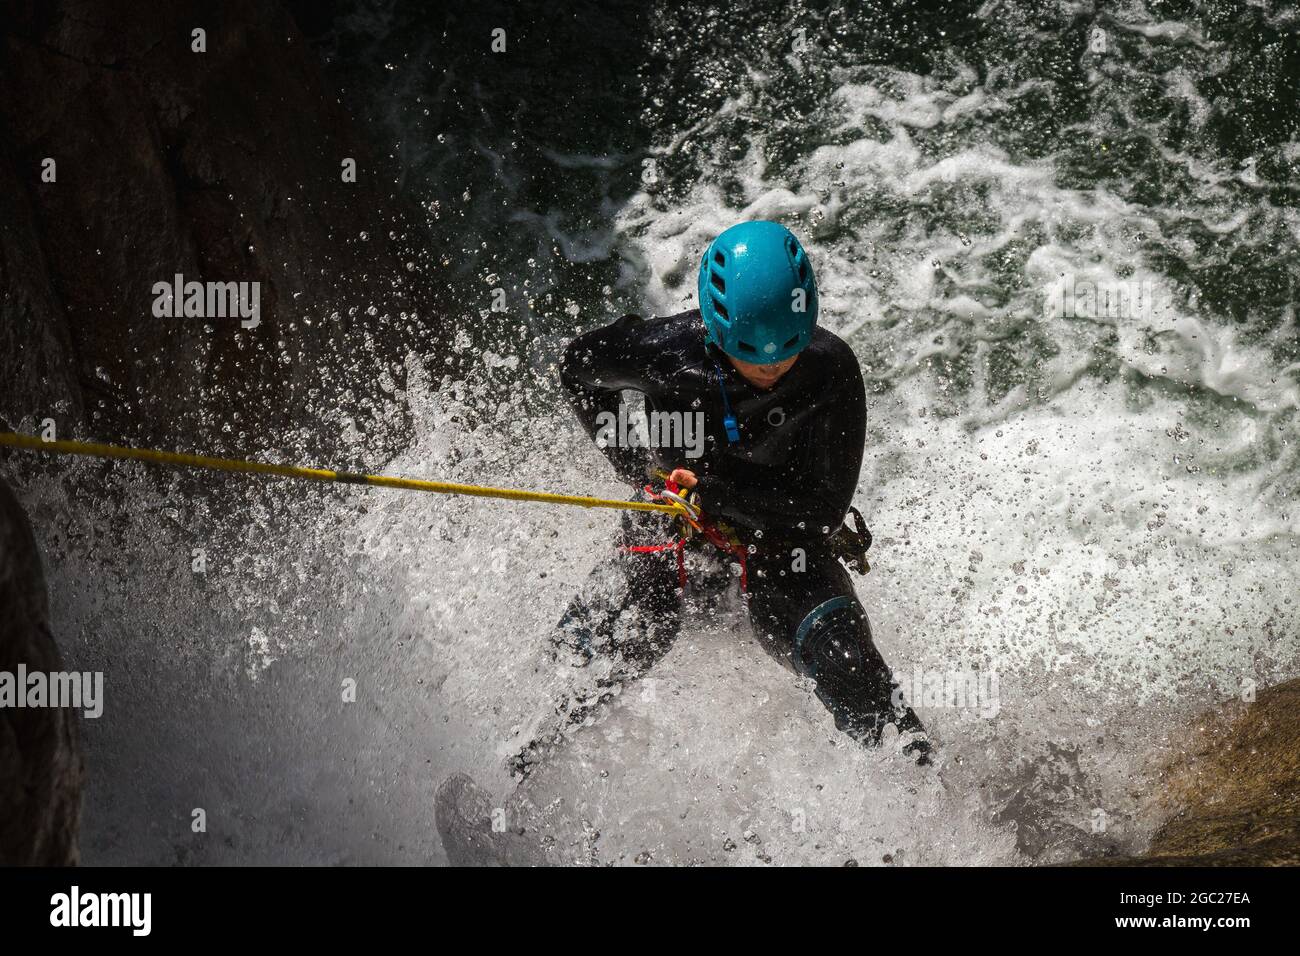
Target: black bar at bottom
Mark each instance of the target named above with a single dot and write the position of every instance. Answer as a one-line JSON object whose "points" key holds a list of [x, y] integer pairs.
{"points": [[906, 906]]}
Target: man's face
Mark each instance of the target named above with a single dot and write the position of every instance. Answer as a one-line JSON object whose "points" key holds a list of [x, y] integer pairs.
{"points": [[763, 376]]}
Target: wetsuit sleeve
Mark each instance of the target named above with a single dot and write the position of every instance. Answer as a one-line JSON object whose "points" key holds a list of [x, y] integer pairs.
{"points": [[821, 497], [596, 367]]}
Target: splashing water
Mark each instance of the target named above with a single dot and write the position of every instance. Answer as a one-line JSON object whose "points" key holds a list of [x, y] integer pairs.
{"points": [[1097, 507]]}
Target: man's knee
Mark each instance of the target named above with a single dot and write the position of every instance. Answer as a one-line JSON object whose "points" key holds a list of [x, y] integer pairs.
{"points": [[833, 641], [833, 646]]}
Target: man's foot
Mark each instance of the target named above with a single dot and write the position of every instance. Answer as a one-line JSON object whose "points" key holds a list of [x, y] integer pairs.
{"points": [[919, 745], [921, 749], [870, 732]]}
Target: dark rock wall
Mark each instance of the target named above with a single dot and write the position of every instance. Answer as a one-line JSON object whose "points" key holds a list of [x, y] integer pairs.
{"points": [[40, 762], [222, 166]]}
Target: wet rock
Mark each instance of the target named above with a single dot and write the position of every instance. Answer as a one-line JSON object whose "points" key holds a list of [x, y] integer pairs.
{"points": [[40, 761], [1238, 791], [222, 166]]}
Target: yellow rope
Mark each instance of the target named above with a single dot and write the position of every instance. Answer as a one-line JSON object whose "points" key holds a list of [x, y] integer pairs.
{"points": [[32, 443]]}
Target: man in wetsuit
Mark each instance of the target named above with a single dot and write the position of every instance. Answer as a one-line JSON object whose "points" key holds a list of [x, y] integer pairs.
{"points": [[783, 409]]}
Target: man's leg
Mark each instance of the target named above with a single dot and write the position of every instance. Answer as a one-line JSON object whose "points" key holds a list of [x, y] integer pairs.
{"points": [[623, 620], [628, 612], [814, 617]]}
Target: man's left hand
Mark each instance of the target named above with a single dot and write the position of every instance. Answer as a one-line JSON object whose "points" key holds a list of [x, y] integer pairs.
{"points": [[683, 477]]}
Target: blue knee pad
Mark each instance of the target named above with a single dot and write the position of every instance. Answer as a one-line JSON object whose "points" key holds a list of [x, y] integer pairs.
{"points": [[828, 639]]}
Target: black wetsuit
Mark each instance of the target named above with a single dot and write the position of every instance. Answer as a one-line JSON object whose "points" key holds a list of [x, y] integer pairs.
{"points": [[784, 487]]}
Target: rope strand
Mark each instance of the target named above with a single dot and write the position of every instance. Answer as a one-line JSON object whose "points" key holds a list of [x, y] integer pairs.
{"points": [[94, 450]]}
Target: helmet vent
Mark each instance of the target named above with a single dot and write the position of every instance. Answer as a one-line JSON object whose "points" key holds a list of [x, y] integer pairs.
{"points": [[803, 271], [746, 347], [721, 309], [793, 340], [719, 258], [717, 282]]}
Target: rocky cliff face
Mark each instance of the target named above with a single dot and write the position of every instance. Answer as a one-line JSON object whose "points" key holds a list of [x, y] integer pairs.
{"points": [[40, 763], [133, 148], [128, 156]]}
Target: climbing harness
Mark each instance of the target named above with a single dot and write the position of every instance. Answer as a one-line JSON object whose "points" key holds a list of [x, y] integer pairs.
{"points": [[692, 522]]}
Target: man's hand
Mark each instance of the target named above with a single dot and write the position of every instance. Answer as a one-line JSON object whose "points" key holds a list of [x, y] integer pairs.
{"points": [[683, 477]]}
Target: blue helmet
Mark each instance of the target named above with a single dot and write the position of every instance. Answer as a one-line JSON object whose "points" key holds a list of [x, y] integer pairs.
{"points": [[758, 296]]}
